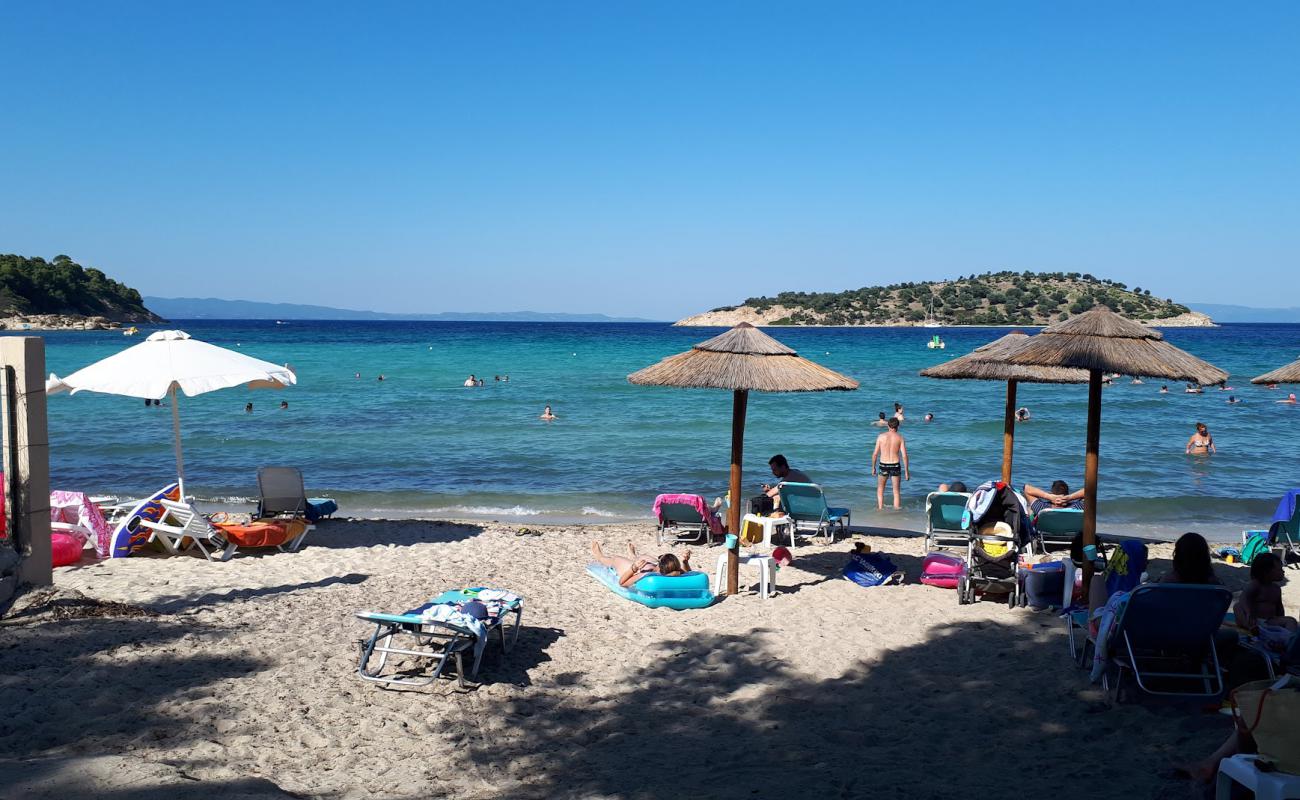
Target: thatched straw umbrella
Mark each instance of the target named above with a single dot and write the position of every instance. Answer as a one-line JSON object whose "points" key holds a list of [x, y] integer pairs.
{"points": [[742, 359], [1100, 341], [1288, 374], [985, 363]]}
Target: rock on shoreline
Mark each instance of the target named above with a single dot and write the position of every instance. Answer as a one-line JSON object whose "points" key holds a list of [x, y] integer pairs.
{"points": [[57, 322]]}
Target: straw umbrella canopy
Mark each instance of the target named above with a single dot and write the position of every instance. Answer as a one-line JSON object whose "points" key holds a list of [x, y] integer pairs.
{"points": [[742, 360], [985, 363], [1099, 340], [1288, 374]]}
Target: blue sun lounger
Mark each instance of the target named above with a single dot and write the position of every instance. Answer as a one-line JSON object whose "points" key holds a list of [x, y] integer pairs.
{"points": [[806, 505], [439, 640]]}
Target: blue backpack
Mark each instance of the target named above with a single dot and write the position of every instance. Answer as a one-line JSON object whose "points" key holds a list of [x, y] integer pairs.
{"points": [[869, 569]]}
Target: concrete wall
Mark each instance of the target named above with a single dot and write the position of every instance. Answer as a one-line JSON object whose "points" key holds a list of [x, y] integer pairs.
{"points": [[29, 507]]}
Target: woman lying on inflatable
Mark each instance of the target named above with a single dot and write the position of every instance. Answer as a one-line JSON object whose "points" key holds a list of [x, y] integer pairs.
{"points": [[632, 569]]}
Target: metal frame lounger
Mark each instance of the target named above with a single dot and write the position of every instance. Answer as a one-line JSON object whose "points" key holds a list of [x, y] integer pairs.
{"points": [[943, 519], [437, 641], [805, 504]]}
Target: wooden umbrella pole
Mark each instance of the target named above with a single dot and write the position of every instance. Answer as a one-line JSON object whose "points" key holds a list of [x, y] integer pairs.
{"points": [[1009, 432], [740, 400], [1090, 471]]}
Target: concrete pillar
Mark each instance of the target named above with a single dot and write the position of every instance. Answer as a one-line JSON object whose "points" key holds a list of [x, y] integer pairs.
{"points": [[27, 448]]}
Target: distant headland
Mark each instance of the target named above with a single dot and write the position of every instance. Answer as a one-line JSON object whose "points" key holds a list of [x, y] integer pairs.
{"points": [[60, 294], [214, 308], [993, 298]]}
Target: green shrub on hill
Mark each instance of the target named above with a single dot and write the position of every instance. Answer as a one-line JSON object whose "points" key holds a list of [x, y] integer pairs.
{"points": [[62, 286]]}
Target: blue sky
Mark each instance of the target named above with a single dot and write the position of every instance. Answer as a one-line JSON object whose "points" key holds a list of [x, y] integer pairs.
{"points": [[654, 158]]}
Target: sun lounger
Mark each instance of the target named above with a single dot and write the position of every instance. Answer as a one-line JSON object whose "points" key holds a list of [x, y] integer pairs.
{"points": [[281, 496], [1284, 533], [806, 505], [1057, 527], [441, 633], [685, 518], [1165, 635], [182, 527], [943, 519]]}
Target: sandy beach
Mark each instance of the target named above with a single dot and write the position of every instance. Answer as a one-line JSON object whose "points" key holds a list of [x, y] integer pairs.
{"points": [[238, 680]]}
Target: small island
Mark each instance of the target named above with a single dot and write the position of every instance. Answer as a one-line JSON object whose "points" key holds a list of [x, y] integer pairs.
{"points": [[993, 298], [36, 294]]}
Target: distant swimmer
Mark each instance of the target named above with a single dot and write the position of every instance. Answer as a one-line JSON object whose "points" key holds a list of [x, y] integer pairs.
{"points": [[882, 422], [1201, 443], [1022, 414], [147, 402], [1164, 390], [248, 408], [496, 378], [505, 379], [928, 418], [548, 414], [1223, 387], [357, 376], [1136, 381], [284, 405], [1290, 400], [381, 376], [1193, 388], [1232, 399], [470, 381], [898, 411], [1270, 386], [480, 381]]}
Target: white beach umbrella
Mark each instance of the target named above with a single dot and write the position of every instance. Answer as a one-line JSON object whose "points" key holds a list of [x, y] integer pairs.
{"points": [[165, 362]]}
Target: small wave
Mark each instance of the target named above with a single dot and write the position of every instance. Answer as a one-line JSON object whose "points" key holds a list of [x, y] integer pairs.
{"points": [[512, 511], [227, 500], [589, 511]]}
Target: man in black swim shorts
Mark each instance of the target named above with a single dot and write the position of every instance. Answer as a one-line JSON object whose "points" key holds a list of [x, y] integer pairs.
{"points": [[889, 461]]}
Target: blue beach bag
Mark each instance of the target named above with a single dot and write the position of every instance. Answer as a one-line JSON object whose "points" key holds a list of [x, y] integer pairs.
{"points": [[870, 569]]}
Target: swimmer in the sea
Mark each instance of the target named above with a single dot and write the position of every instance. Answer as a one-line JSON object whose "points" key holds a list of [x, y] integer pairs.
{"points": [[547, 414], [1201, 443], [1290, 400], [1022, 414]]}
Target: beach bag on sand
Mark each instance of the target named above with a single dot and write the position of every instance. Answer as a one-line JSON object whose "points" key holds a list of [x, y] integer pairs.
{"points": [[1268, 711], [871, 569], [942, 570], [1256, 545]]}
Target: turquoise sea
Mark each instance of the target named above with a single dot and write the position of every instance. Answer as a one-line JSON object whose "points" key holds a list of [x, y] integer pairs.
{"points": [[421, 444]]}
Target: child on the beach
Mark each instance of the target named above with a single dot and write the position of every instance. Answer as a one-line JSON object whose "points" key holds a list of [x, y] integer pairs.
{"points": [[1261, 600]]}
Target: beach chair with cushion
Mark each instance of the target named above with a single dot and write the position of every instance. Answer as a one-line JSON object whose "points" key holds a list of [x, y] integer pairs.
{"points": [[1283, 533], [1057, 527], [682, 518], [442, 630], [281, 496], [805, 504], [182, 527], [943, 519], [1164, 635]]}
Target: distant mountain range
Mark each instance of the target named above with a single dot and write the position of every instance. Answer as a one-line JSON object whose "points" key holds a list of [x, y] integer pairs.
{"points": [[213, 308], [1224, 313]]}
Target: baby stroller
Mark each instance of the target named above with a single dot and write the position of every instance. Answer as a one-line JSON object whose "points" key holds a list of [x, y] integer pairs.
{"points": [[999, 521]]}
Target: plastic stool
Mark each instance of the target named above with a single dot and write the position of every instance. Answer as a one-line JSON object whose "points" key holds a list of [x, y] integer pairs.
{"points": [[766, 573], [1266, 785]]}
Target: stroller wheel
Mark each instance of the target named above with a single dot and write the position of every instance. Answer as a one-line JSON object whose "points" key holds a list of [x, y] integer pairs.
{"points": [[961, 592]]}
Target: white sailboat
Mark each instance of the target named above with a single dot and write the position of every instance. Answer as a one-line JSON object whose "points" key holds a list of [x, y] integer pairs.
{"points": [[930, 321]]}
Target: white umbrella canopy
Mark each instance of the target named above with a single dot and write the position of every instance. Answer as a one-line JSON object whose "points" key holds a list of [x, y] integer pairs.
{"points": [[168, 361]]}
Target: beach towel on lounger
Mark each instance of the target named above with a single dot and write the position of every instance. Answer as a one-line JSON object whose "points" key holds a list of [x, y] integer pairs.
{"points": [[696, 502]]}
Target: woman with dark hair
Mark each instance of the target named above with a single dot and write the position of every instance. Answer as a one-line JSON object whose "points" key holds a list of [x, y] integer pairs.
{"points": [[634, 568], [1191, 561]]}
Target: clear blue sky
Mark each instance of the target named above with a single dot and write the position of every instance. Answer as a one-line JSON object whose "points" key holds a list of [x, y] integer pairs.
{"points": [[652, 158]]}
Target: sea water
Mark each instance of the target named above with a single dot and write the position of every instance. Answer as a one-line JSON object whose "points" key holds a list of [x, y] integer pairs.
{"points": [[419, 443]]}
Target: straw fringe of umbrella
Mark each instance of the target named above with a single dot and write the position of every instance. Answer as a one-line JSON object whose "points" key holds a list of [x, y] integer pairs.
{"points": [[1287, 374], [743, 358]]}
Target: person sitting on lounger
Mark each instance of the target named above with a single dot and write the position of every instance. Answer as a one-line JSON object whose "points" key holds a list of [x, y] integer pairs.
{"points": [[1059, 497], [1261, 600], [1191, 562], [633, 568], [955, 486], [784, 473]]}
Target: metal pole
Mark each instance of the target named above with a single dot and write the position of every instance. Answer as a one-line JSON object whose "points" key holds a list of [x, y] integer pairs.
{"points": [[176, 441]]}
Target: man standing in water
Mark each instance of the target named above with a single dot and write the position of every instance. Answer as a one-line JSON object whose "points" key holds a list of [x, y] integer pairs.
{"points": [[889, 460]]}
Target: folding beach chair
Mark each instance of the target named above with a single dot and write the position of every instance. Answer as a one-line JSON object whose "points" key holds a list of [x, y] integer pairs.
{"points": [[805, 503], [1282, 538], [281, 496], [681, 521], [182, 527], [1165, 637], [943, 519], [1057, 527], [437, 640]]}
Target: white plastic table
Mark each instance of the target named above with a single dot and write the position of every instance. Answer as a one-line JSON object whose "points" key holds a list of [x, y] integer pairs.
{"points": [[1266, 785], [770, 526], [766, 573]]}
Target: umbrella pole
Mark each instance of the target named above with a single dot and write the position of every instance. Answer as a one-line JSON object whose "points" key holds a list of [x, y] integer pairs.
{"points": [[740, 399], [1009, 432], [176, 442], [1090, 471]]}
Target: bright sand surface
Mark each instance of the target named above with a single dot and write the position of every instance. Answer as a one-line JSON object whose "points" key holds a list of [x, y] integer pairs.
{"points": [[245, 685]]}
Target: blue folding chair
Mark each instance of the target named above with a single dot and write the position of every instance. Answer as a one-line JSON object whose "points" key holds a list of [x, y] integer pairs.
{"points": [[943, 519], [805, 503], [1165, 637], [1058, 526]]}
